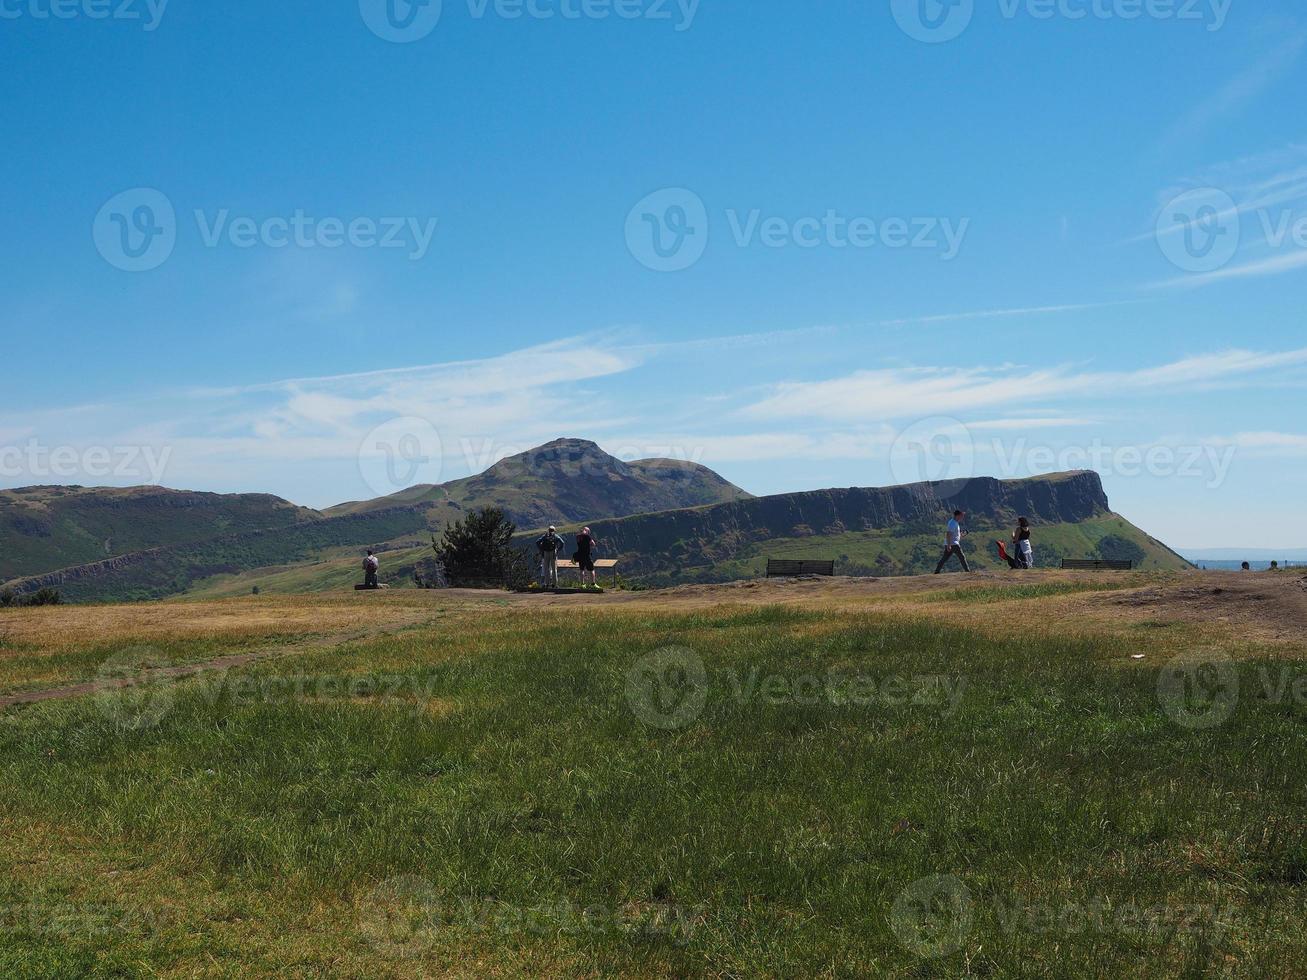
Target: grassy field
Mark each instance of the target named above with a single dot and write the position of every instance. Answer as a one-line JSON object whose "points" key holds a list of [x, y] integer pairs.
{"points": [[944, 777]]}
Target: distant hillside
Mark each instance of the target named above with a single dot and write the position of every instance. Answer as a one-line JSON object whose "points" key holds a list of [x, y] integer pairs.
{"points": [[160, 572], [567, 480], [47, 528], [871, 532], [100, 544], [889, 531]]}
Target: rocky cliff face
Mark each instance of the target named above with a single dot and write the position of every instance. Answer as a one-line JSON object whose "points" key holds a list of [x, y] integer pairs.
{"points": [[652, 541]]}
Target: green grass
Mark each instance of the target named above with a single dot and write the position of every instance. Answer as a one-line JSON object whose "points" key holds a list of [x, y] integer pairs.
{"points": [[286, 821]]}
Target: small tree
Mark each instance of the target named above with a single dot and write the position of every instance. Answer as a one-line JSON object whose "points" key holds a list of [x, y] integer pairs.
{"points": [[478, 551]]}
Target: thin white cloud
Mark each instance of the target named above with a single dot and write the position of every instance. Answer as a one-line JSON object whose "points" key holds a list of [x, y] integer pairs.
{"points": [[1273, 266], [1021, 424], [1001, 313], [1265, 443], [920, 392], [1234, 94]]}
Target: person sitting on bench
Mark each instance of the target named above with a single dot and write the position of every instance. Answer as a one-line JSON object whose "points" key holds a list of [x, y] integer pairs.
{"points": [[370, 567]]}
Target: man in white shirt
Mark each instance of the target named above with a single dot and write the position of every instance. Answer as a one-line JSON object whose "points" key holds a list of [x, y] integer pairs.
{"points": [[370, 568], [953, 543]]}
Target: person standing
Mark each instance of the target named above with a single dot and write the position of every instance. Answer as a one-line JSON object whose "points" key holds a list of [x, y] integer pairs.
{"points": [[1023, 553], [953, 543], [371, 565], [586, 545], [548, 546]]}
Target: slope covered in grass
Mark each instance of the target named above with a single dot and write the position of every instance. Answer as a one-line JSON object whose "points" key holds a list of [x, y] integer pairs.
{"points": [[47, 528], [724, 792]]}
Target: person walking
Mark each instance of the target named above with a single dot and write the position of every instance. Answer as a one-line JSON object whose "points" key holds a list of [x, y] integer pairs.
{"points": [[953, 543], [371, 565], [1023, 553], [586, 545], [549, 545]]}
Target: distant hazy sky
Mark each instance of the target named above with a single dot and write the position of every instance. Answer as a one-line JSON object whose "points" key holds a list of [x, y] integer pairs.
{"points": [[260, 246]]}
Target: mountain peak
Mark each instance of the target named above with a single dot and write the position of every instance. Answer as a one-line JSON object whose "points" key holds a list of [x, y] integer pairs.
{"points": [[562, 457]]}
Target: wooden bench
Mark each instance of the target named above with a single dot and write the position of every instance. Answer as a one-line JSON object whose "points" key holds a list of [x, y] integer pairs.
{"points": [[790, 568], [1096, 565], [601, 565]]}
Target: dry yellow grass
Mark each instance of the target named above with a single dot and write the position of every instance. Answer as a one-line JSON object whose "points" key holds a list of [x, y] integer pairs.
{"points": [[1167, 611]]}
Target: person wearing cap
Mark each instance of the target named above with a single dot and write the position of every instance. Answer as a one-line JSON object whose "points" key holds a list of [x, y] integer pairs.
{"points": [[549, 545], [585, 549], [953, 543]]}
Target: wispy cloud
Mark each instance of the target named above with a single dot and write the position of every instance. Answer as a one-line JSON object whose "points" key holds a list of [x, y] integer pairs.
{"points": [[303, 437], [1271, 186], [1273, 266], [1002, 313], [1265, 443], [916, 392], [1237, 92]]}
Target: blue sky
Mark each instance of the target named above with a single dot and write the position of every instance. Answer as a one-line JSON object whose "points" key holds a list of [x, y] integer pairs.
{"points": [[254, 247]]}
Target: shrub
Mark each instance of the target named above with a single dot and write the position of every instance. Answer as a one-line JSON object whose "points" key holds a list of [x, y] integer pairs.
{"points": [[44, 597], [478, 552]]}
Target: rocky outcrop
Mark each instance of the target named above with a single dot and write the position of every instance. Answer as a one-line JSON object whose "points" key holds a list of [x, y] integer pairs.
{"points": [[705, 534]]}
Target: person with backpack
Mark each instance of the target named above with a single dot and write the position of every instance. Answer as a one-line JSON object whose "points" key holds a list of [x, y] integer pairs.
{"points": [[549, 545], [586, 546], [953, 543], [371, 565]]}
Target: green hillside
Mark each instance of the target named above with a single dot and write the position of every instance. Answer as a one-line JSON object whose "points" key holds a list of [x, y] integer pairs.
{"points": [[109, 544], [1071, 516], [47, 528], [161, 572], [879, 553], [889, 531]]}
